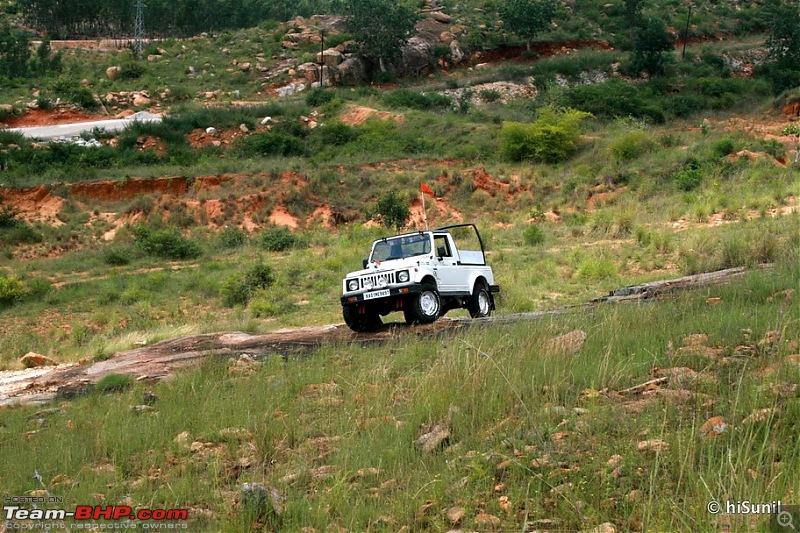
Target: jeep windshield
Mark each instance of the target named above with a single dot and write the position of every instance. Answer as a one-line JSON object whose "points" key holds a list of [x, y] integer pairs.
{"points": [[400, 247]]}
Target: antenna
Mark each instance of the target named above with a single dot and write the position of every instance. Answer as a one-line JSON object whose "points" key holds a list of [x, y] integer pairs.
{"points": [[138, 28]]}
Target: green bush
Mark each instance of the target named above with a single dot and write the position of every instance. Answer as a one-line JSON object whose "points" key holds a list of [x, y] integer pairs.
{"points": [[240, 288], [336, 134], [723, 147], [117, 256], [131, 71], [689, 177], [271, 143], [416, 100], [8, 217], [613, 99], [231, 237], [551, 138], [114, 383], [631, 145], [318, 96], [393, 210], [277, 238], [12, 290], [167, 243], [533, 235]]}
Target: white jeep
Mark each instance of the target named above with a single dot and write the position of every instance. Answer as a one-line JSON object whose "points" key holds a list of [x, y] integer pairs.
{"points": [[422, 274]]}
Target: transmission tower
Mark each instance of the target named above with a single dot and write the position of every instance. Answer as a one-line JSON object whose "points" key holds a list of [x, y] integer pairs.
{"points": [[138, 29]]}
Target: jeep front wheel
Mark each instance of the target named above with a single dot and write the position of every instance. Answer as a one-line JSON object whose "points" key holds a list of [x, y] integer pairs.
{"points": [[425, 306], [360, 322], [480, 303]]}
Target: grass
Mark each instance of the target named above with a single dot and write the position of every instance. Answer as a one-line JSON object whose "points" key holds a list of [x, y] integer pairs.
{"points": [[340, 425]]}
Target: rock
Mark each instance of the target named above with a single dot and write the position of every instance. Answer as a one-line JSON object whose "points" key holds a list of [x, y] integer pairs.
{"points": [[182, 438], [455, 515], [291, 72], [330, 57], [605, 527], [36, 360], [569, 343], [261, 500], [433, 439], [653, 445], [714, 427], [614, 460], [243, 128], [714, 301], [444, 18], [245, 67], [351, 72], [761, 415], [140, 100], [142, 408], [112, 72], [488, 521], [153, 57], [446, 37]]}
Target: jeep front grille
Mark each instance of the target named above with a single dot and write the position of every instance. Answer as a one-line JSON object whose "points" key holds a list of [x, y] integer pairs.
{"points": [[388, 276]]}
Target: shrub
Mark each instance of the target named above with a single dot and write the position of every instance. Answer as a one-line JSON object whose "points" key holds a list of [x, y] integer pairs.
{"points": [[551, 138], [612, 99], [130, 70], [8, 217], [490, 95], [231, 237], [12, 290], [239, 288], [117, 256], [533, 235], [167, 243], [723, 147], [631, 145], [319, 96], [596, 269], [277, 238], [689, 177], [393, 210], [416, 100], [114, 383], [336, 134], [271, 143]]}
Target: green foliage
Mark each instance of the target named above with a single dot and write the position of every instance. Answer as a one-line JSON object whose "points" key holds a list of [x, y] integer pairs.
{"points": [[613, 99], [783, 18], [631, 145], [393, 210], [231, 237], [12, 290], [652, 43], [335, 133], [277, 239], [416, 100], [319, 96], [114, 383], [551, 138], [270, 143], [527, 18], [167, 243], [689, 176], [14, 52], [131, 70], [723, 147], [8, 217], [240, 288], [382, 26], [533, 235], [117, 256]]}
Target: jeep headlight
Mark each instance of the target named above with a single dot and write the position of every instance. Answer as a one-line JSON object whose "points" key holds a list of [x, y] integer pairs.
{"points": [[352, 285], [382, 282], [368, 284], [402, 276]]}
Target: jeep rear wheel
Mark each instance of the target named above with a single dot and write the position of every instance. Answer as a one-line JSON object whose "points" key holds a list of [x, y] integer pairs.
{"points": [[425, 306], [361, 322], [480, 303]]}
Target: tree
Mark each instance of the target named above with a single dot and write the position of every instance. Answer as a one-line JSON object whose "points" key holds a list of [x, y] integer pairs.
{"points": [[381, 26], [551, 138], [14, 52], [652, 40], [393, 210], [527, 18], [784, 40]]}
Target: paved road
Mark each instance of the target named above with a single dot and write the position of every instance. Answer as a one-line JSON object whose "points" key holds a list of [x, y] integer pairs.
{"points": [[68, 131]]}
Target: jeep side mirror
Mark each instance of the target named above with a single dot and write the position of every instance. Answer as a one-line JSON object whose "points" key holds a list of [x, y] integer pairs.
{"points": [[365, 262]]}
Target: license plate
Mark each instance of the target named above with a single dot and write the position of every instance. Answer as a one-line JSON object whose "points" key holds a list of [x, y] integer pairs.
{"points": [[376, 294]]}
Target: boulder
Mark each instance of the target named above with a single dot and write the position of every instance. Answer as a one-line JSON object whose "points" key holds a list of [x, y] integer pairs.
{"points": [[245, 67], [330, 57], [36, 360], [140, 100], [446, 37], [112, 72], [456, 53], [444, 18], [153, 58], [352, 71]]}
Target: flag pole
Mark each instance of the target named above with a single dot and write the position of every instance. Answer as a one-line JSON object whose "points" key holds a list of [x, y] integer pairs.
{"points": [[424, 213]]}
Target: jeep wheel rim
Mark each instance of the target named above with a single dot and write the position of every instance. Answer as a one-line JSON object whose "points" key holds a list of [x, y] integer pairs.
{"points": [[483, 303], [428, 303]]}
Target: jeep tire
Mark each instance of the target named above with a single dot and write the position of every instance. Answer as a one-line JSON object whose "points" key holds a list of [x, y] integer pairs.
{"points": [[480, 303], [426, 306], [361, 322]]}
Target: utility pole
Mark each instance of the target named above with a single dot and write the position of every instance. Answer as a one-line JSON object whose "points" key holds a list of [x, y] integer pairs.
{"points": [[686, 30], [138, 29]]}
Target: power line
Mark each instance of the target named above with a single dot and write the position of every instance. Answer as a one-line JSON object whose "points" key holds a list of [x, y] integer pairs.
{"points": [[138, 28]]}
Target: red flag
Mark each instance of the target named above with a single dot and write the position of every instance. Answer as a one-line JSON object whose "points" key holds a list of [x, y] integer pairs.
{"points": [[424, 188]]}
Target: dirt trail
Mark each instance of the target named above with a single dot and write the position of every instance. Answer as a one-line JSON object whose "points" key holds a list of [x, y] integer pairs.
{"points": [[157, 361]]}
